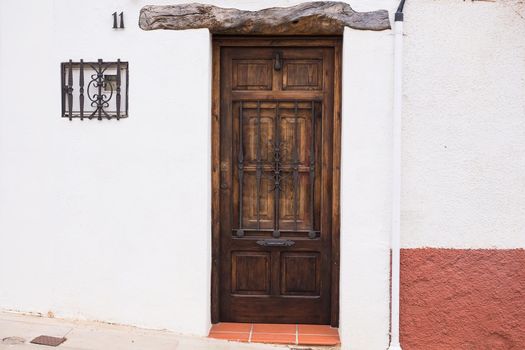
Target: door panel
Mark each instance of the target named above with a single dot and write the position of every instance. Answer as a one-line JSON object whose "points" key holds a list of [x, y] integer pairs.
{"points": [[251, 273], [252, 74], [303, 75], [276, 121], [299, 273]]}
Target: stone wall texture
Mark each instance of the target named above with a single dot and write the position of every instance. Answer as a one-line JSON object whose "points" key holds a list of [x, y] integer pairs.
{"points": [[460, 299]]}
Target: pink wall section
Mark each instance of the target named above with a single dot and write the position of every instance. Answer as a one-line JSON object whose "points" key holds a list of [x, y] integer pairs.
{"points": [[456, 299]]}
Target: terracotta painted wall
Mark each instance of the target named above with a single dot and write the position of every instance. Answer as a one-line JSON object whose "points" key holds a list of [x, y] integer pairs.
{"points": [[463, 202], [460, 299]]}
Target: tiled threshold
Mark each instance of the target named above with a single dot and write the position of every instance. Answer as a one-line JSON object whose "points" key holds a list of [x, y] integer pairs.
{"points": [[290, 334]]}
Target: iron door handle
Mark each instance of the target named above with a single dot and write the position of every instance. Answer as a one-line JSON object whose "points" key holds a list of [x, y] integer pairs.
{"points": [[276, 243], [278, 63]]}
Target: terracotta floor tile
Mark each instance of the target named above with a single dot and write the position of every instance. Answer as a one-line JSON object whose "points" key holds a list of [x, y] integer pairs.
{"points": [[233, 336], [231, 327], [274, 328], [315, 329], [273, 338], [319, 340]]}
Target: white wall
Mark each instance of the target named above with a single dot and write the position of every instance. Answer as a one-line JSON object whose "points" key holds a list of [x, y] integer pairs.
{"points": [[104, 220], [464, 125], [111, 220], [366, 189]]}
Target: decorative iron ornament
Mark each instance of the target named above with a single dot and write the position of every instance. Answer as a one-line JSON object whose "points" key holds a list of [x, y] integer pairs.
{"points": [[106, 83], [277, 172]]}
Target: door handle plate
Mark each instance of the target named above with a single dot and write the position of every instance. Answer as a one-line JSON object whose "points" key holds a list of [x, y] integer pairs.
{"points": [[275, 243]]}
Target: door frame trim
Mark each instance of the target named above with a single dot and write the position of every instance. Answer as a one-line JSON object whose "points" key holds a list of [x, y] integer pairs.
{"points": [[295, 41]]}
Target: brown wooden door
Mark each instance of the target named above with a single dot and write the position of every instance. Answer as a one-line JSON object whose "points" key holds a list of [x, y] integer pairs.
{"points": [[276, 157]]}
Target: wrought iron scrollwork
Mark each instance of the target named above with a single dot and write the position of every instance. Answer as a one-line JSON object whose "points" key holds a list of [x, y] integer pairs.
{"points": [[276, 169], [99, 100], [107, 81], [277, 176]]}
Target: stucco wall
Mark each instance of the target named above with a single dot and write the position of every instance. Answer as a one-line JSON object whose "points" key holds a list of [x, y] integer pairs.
{"points": [[111, 220], [104, 220], [464, 125], [365, 189], [463, 178], [462, 299]]}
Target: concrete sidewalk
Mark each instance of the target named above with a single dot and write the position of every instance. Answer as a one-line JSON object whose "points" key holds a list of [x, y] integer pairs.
{"points": [[16, 332]]}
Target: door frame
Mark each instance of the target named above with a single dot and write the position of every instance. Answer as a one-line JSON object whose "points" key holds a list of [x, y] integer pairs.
{"points": [[218, 42]]}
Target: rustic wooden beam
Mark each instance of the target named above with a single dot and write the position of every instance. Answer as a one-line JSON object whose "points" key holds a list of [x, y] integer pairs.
{"points": [[312, 18]]}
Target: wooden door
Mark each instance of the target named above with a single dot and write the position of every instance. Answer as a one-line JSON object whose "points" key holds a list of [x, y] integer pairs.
{"points": [[276, 121]]}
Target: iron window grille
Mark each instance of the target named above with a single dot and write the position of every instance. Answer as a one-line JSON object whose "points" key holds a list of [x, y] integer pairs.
{"points": [[283, 165], [94, 89]]}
